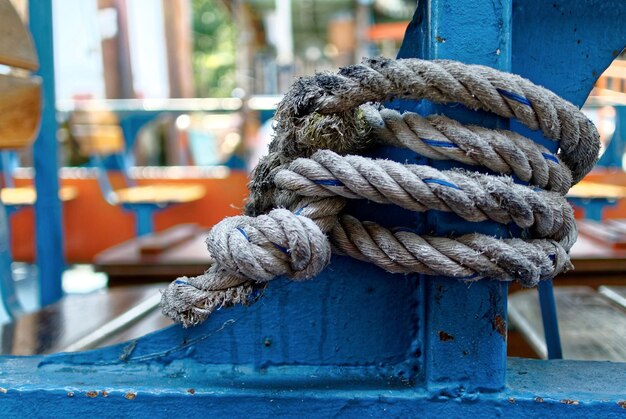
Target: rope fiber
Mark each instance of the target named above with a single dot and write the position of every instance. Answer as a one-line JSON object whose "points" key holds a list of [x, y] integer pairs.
{"points": [[296, 208]]}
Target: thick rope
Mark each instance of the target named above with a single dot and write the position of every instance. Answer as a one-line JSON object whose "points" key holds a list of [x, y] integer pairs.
{"points": [[472, 196], [310, 173], [440, 138]]}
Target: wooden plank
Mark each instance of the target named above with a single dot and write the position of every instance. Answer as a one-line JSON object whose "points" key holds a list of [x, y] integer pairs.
{"points": [[157, 243], [58, 326], [16, 45], [20, 110], [616, 295], [116, 325], [591, 327], [154, 320]]}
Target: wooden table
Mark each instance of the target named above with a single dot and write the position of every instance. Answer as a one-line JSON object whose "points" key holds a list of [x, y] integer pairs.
{"points": [[125, 263], [80, 322], [595, 264]]}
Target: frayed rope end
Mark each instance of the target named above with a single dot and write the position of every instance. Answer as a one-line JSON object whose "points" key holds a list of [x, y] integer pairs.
{"points": [[189, 305]]}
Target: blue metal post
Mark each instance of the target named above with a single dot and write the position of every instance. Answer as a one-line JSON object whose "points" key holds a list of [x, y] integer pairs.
{"points": [[549, 317], [48, 224], [10, 301], [144, 218], [465, 336]]}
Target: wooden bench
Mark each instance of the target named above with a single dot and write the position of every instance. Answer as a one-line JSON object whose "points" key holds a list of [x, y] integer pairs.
{"points": [[592, 323]]}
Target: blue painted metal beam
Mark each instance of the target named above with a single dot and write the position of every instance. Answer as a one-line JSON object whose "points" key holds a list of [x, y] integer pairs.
{"points": [[465, 336], [48, 221]]}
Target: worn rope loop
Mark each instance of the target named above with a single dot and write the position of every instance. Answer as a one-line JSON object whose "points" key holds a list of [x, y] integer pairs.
{"points": [[295, 210]]}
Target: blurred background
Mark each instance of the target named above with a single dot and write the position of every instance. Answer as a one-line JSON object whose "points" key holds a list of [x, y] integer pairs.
{"points": [[165, 106]]}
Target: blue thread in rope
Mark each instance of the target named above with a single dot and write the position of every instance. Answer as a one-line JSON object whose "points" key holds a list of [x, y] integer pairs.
{"points": [[282, 249], [243, 233], [550, 157], [328, 182], [442, 183], [181, 282], [514, 96], [437, 143]]}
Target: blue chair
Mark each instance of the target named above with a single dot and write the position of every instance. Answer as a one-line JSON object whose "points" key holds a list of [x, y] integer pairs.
{"points": [[101, 138]]}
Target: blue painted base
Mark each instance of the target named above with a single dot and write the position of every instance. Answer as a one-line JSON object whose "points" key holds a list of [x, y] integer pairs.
{"points": [[535, 388]]}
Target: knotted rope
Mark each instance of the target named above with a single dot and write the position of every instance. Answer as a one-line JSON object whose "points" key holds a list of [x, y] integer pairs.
{"points": [[299, 190]]}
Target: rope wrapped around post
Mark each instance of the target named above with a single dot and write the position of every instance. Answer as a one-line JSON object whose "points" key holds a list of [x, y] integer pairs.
{"points": [[295, 210]]}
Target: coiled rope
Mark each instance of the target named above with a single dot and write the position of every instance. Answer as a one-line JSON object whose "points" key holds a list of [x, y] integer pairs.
{"points": [[295, 215]]}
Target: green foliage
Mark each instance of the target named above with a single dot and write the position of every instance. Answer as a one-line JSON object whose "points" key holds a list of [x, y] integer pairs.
{"points": [[214, 38]]}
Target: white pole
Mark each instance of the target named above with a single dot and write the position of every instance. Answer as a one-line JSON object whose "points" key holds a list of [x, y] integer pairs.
{"points": [[284, 38]]}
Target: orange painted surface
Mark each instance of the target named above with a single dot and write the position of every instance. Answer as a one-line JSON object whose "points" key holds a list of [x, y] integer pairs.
{"points": [[92, 225], [383, 31]]}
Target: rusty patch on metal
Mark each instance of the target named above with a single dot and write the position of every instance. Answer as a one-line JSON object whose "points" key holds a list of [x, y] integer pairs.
{"points": [[3, 390], [511, 400], [443, 336], [104, 393], [70, 394], [499, 325], [440, 39], [570, 401], [92, 394], [191, 391], [622, 404], [130, 395], [539, 399]]}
